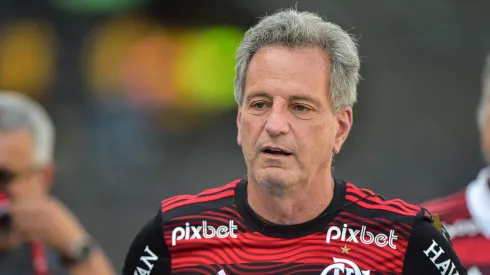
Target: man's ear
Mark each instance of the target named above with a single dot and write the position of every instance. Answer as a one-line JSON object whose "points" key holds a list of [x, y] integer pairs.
{"points": [[344, 121]]}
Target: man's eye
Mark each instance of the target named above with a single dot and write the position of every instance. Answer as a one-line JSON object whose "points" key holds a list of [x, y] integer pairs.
{"points": [[300, 108], [259, 105]]}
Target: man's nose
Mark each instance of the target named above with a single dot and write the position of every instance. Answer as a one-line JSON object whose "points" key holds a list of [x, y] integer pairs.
{"points": [[277, 122]]}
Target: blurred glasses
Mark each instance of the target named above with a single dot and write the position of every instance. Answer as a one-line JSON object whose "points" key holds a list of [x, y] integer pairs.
{"points": [[7, 176]]}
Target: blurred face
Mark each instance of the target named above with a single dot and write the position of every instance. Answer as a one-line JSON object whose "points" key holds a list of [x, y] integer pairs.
{"points": [[286, 126], [17, 172]]}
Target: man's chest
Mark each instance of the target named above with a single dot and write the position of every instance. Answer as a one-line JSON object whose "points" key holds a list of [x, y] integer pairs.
{"points": [[338, 249]]}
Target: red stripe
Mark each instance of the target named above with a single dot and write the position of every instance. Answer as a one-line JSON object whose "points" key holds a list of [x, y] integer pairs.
{"points": [[403, 203], [39, 261], [199, 200], [410, 206], [221, 188], [377, 207], [395, 202], [388, 204], [175, 199], [398, 202], [181, 200]]}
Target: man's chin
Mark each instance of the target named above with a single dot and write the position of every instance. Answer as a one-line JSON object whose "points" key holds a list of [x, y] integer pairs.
{"points": [[275, 177]]}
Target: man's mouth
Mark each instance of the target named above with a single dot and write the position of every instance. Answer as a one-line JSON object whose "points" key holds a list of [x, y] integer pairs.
{"points": [[276, 151]]}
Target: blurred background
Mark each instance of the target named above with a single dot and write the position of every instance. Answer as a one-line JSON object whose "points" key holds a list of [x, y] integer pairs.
{"points": [[141, 92]]}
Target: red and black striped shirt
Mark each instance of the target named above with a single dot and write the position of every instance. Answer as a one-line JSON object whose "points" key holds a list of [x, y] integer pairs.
{"points": [[360, 233]]}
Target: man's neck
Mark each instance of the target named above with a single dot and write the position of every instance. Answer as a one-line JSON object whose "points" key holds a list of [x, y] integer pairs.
{"points": [[296, 205]]}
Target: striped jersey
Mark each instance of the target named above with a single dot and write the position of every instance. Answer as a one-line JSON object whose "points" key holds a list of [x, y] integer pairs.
{"points": [[360, 233]]}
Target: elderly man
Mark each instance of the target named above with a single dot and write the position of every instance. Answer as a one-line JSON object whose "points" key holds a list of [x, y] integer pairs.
{"points": [[466, 214], [38, 235], [295, 86]]}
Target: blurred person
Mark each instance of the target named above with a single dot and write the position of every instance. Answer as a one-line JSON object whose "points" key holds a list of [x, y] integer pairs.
{"points": [[295, 86], [466, 214], [38, 234]]}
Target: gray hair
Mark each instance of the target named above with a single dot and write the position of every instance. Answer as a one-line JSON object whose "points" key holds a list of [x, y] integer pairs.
{"points": [[19, 112], [485, 95], [292, 28]]}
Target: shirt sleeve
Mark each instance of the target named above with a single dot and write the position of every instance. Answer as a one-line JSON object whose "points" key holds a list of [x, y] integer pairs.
{"points": [[148, 253], [429, 252]]}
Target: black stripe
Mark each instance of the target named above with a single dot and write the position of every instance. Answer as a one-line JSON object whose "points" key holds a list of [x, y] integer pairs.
{"points": [[166, 204], [367, 213], [365, 200], [389, 202], [176, 199], [197, 207], [216, 193]]}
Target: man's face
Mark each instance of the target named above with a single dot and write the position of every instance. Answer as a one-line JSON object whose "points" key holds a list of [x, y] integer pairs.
{"points": [[18, 173], [286, 126], [19, 177], [16, 162]]}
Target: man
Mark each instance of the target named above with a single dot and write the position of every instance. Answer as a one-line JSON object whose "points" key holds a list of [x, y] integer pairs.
{"points": [[466, 214], [38, 235], [295, 86]]}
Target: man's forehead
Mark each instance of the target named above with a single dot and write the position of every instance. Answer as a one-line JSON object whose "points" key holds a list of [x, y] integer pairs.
{"points": [[284, 71], [16, 148]]}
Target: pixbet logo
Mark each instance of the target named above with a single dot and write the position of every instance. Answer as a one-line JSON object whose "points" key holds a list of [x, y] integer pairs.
{"points": [[363, 236], [340, 266], [204, 231]]}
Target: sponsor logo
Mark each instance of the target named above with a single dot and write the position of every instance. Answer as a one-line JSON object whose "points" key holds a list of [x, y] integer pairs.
{"points": [[434, 252], [462, 228], [361, 236], [342, 266], [148, 260], [203, 231]]}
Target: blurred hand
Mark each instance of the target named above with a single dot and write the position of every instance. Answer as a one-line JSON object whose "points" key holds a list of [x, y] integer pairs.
{"points": [[43, 218]]}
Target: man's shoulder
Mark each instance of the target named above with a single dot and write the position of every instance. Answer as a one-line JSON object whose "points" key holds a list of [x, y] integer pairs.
{"points": [[376, 205], [207, 200]]}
